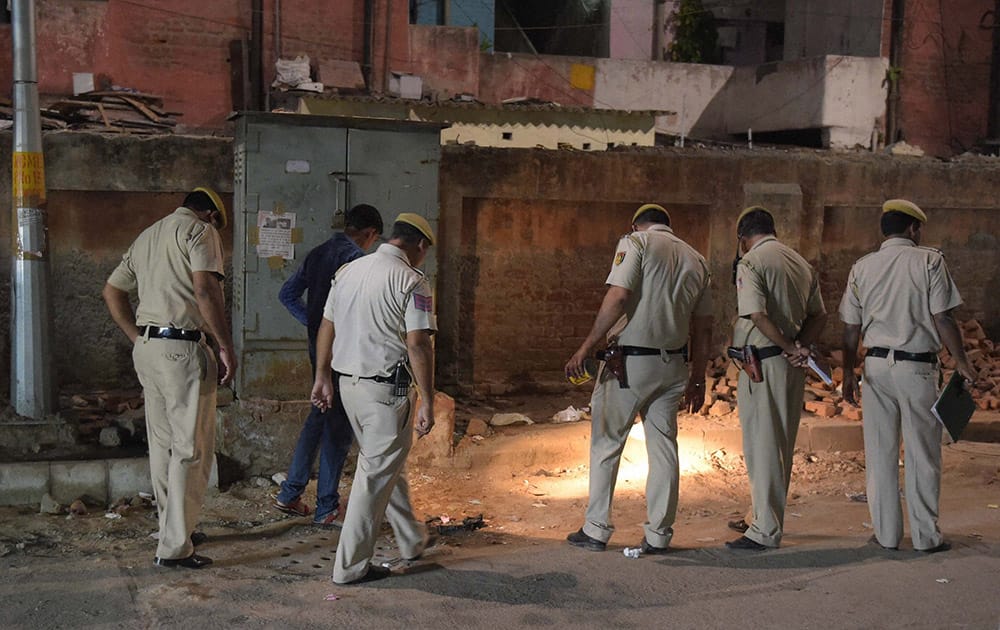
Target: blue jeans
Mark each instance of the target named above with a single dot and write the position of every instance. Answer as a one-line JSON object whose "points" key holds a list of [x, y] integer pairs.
{"points": [[330, 433]]}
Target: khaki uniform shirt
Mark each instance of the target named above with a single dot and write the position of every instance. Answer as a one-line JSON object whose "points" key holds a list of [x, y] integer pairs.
{"points": [[374, 301], [668, 281], [773, 278], [894, 293], [160, 266]]}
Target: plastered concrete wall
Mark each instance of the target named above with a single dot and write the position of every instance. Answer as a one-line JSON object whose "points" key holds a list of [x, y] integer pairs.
{"points": [[628, 84], [544, 77], [841, 93], [103, 191], [527, 238]]}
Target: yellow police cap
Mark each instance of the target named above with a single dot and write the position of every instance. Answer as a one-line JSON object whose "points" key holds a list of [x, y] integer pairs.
{"points": [[217, 200], [906, 207], [650, 206], [747, 211], [418, 222]]}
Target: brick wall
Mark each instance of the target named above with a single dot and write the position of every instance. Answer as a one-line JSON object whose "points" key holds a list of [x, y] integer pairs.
{"points": [[180, 48], [944, 85], [526, 239]]}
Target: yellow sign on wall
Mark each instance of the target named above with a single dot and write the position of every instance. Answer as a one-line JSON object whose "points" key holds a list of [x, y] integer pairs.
{"points": [[581, 76], [28, 180]]}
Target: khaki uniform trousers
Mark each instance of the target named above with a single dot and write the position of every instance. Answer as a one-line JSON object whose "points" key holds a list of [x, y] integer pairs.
{"points": [[901, 393], [384, 433], [656, 385], [769, 418], [179, 386]]}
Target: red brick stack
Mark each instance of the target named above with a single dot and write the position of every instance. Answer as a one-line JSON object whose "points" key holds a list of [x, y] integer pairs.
{"points": [[985, 357]]}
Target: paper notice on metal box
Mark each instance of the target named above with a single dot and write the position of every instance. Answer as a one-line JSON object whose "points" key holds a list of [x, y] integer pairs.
{"points": [[275, 238]]}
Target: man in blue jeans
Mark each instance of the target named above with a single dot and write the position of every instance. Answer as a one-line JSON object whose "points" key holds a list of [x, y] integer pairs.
{"points": [[330, 431]]}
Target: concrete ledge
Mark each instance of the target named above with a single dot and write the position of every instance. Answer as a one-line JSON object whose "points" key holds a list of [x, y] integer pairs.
{"points": [[102, 480], [127, 477], [23, 483], [71, 480]]}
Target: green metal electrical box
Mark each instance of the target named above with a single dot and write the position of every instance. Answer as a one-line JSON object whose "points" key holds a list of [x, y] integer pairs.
{"points": [[294, 178]]}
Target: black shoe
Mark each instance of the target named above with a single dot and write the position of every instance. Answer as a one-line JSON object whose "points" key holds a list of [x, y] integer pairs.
{"points": [[746, 544], [651, 550], [579, 539], [372, 574], [944, 546], [198, 538], [194, 561], [874, 541], [741, 526]]}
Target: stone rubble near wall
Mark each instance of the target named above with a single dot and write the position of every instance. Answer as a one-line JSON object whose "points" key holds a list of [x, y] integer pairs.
{"points": [[825, 400]]}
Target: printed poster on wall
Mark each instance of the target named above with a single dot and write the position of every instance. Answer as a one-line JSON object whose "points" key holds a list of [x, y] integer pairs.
{"points": [[275, 238]]}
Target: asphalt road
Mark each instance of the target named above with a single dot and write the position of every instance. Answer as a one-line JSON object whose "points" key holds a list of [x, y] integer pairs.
{"points": [[283, 581]]}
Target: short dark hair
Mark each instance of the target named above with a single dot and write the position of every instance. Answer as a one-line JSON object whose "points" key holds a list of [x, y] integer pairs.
{"points": [[896, 222], [364, 216], [407, 233], [756, 223], [653, 216], [199, 202]]}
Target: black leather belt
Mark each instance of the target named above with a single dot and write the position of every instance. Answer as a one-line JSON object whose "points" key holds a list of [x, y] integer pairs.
{"points": [[920, 357], [162, 332], [768, 351], [377, 379], [640, 351]]}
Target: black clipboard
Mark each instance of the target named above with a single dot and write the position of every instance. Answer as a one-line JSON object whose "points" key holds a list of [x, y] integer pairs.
{"points": [[954, 407]]}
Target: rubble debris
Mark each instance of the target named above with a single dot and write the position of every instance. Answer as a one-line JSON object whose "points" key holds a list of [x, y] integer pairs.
{"points": [[476, 427], [112, 111], [110, 437], [720, 408], [571, 414], [444, 525], [279, 478], [49, 505], [504, 419]]}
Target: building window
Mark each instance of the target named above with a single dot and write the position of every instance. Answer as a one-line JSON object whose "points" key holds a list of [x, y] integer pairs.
{"points": [[507, 135], [586, 146]]}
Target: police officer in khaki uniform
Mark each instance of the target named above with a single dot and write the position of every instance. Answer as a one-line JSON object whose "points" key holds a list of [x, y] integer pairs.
{"points": [[899, 302], [657, 298], [781, 313], [379, 316], [175, 265]]}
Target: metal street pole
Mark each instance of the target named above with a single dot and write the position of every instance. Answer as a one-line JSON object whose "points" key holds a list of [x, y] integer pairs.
{"points": [[32, 390]]}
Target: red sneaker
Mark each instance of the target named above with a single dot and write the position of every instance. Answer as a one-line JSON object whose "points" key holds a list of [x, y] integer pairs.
{"points": [[295, 508]]}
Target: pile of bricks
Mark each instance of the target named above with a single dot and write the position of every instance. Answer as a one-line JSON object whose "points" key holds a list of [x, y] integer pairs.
{"points": [[721, 378], [97, 410], [984, 356]]}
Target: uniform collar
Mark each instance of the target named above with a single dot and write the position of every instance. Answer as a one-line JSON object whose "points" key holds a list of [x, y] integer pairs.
{"points": [[766, 239], [186, 212], [659, 227], [391, 250], [897, 241]]}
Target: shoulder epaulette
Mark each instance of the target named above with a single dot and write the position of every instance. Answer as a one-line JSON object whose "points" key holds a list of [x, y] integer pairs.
{"points": [[931, 249]]}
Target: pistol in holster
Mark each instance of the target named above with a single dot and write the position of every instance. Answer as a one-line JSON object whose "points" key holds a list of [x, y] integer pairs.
{"points": [[401, 378], [614, 362], [749, 360]]}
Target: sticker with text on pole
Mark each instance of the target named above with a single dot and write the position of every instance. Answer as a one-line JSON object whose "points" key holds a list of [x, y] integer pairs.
{"points": [[28, 179]]}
